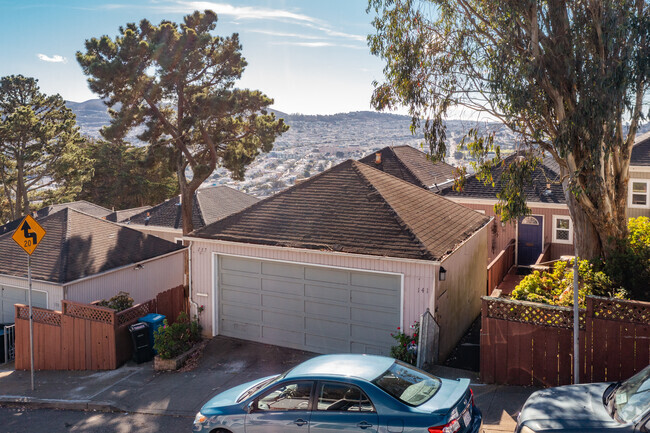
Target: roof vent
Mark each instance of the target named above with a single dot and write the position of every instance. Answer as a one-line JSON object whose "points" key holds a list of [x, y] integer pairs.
{"points": [[378, 157]]}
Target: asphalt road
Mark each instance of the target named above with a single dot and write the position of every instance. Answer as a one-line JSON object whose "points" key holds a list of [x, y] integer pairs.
{"points": [[14, 420]]}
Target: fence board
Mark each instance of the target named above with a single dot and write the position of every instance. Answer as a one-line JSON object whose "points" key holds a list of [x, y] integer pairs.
{"points": [[539, 353], [551, 366], [627, 349], [487, 346], [565, 354], [642, 348], [501, 352], [600, 346]]}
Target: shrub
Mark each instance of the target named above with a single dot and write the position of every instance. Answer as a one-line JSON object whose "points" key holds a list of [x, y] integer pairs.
{"points": [[172, 340], [407, 345], [628, 265], [556, 287], [119, 302]]}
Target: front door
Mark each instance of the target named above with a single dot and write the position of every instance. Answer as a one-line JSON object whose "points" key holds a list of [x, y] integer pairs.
{"points": [[531, 229]]}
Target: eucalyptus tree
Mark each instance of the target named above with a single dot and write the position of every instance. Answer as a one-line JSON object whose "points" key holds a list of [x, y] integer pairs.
{"points": [[41, 150], [569, 77], [178, 80]]}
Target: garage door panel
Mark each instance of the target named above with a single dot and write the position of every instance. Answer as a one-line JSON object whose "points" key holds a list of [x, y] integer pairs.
{"points": [[380, 319], [243, 281], [308, 307], [282, 303], [282, 336], [9, 296], [282, 270], [287, 322], [231, 294], [286, 287], [327, 275], [327, 328], [377, 281], [327, 310], [248, 331], [371, 335], [241, 313], [341, 294], [374, 299], [322, 344], [240, 264]]}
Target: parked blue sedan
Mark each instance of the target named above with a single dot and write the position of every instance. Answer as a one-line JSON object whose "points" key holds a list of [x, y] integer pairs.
{"points": [[339, 393]]}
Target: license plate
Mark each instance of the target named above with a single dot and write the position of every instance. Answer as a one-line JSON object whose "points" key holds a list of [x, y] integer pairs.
{"points": [[467, 418]]}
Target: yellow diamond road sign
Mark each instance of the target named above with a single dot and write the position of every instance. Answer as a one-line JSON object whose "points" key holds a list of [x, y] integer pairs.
{"points": [[28, 234]]}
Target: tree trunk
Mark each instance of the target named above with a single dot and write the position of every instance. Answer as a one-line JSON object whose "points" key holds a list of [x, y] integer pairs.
{"points": [[187, 204], [586, 239]]}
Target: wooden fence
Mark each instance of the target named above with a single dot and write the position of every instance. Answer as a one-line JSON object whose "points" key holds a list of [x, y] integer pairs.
{"points": [[83, 336], [500, 266], [525, 343]]}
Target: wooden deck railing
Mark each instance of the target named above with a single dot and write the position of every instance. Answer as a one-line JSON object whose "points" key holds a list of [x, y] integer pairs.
{"points": [[500, 266]]}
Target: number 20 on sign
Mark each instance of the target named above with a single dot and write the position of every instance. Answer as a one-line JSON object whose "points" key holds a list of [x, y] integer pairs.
{"points": [[28, 234]]}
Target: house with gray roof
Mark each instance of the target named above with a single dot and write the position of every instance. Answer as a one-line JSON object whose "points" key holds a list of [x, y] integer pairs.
{"points": [[210, 204], [638, 201], [338, 262], [86, 258], [411, 165]]}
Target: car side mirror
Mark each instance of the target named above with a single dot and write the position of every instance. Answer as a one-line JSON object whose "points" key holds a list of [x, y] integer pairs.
{"points": [[250, 407]]}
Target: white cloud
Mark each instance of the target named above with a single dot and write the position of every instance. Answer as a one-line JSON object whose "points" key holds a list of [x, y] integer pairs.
{"points": [[320, 45], [284, 35], [54, 59], [240, 12]]}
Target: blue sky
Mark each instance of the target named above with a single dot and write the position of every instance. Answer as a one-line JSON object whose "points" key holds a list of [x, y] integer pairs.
{"points": [[311, 56]]}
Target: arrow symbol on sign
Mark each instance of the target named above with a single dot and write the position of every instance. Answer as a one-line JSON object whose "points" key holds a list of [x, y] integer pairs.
{"points": [[26, 228]]}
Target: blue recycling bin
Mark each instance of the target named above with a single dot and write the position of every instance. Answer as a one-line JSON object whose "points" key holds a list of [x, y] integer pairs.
{"points": [[154, 321]]}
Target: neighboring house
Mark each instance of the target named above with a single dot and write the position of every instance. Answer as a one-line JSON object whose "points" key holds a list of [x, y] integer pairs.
{"points": [[549, 222], [411, 165], [210, 204], [119, 216], [638, 203], [85, 258], [338, 262]]}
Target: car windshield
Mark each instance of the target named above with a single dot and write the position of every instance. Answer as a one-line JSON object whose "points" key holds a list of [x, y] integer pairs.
{"points": [[253, 389], [632, 397], [408, 384]]}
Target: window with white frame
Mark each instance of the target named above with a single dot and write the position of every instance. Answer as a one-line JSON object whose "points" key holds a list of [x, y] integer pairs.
{"points": [[638, 195], [562, 229]]}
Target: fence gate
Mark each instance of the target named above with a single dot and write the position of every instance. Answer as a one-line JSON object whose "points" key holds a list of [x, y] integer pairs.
{"points": [[9, 343]]}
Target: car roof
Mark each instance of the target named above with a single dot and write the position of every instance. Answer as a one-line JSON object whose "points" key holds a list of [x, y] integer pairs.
{"points": [[366, 367]]}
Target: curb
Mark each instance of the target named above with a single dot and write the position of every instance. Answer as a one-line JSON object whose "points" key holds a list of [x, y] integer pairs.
{"points": [[37, 403]]}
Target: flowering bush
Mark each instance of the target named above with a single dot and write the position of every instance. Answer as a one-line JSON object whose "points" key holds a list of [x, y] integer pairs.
{"points": [[556, 287], [172, 340], [119, 302], [407, 345]]}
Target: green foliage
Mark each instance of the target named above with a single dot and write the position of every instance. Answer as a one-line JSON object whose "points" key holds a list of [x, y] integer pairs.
{"points": [[126, 176], [563, 77], [178, 80], [407, 345], [629, 264], [41, 150], [556, 287], [172, 340], [119, 302]]}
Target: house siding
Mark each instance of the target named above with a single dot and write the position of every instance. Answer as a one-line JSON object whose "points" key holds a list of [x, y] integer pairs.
{"points": [[458, 298], [156, 276], [635, 212], [499, 235], [418, 278], [54, 291]]}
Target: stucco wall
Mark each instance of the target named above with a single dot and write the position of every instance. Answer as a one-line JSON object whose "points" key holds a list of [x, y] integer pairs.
{"points": [[419, 276], [156, 275], [458, 298]]}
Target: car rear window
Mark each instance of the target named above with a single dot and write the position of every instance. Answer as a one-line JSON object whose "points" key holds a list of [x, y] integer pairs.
{"points": [[408, 384]]}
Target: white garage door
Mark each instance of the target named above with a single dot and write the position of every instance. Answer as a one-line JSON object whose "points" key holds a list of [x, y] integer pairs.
{"points": [[12, 295], [324, 310]]}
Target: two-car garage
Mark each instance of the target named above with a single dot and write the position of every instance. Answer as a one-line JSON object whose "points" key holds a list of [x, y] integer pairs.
{"points": [[317, 308]]}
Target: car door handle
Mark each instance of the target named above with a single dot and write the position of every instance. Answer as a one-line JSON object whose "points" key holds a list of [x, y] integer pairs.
{"points": [[364, 425], [300, 422]]}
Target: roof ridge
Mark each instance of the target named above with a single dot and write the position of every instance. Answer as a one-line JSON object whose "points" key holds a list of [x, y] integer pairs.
{"points": [[400, 221], [407, 167]]}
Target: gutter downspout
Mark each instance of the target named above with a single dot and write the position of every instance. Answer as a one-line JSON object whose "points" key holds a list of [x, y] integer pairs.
{"points": [[189, 283]]}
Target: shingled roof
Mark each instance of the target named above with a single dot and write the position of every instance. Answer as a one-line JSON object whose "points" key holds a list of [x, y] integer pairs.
{"points": [[411, 165], [641, 150], [353, 208], [80, 205], [536, 192], [78, 245], [210, 204]]}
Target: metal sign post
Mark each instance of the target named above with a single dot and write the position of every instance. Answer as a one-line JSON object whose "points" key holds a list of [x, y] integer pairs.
{"points": [[576, 323], [28, 235]]}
